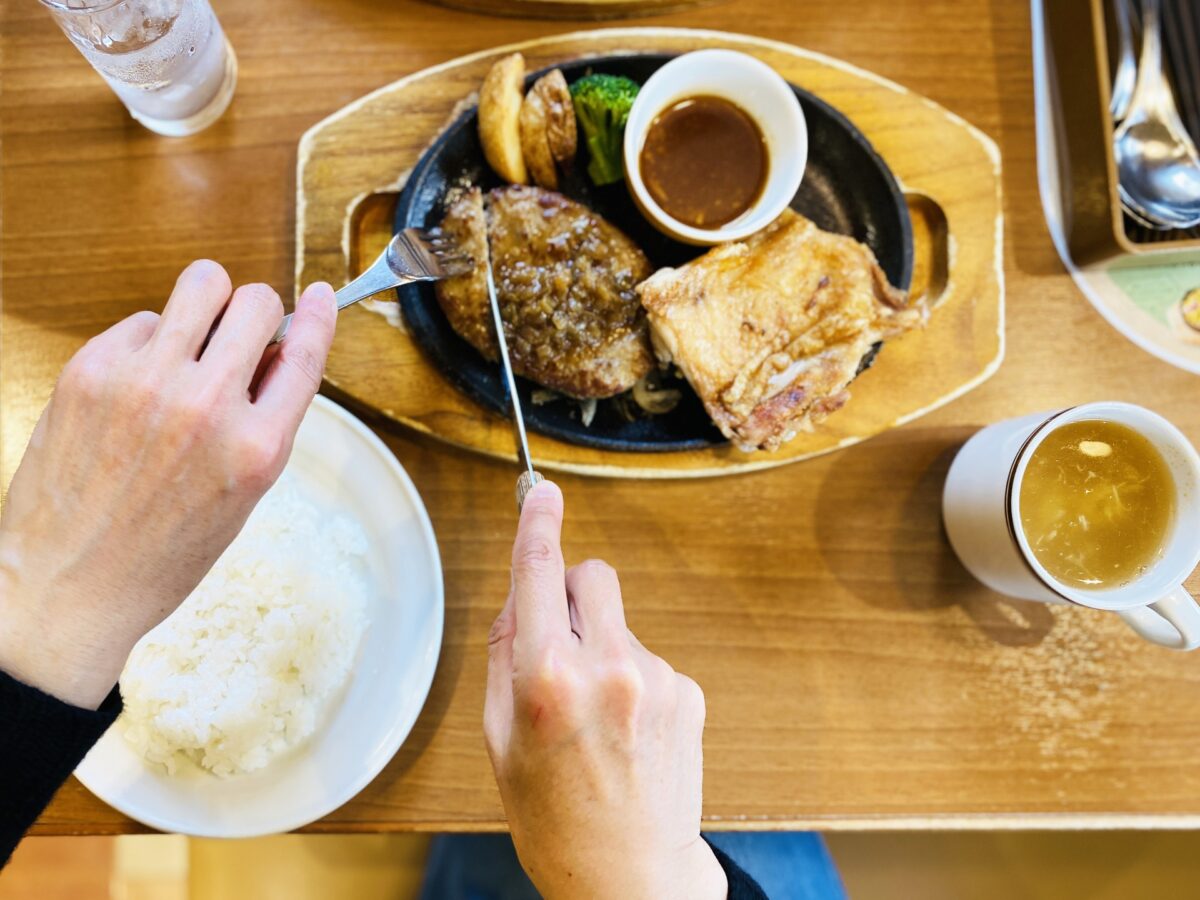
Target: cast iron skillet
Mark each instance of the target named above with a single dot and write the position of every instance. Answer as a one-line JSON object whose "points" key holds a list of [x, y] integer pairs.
{"points": [[847, 188]]}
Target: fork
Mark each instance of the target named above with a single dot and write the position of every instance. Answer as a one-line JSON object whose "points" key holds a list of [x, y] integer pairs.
{"points": [[411, 255]]}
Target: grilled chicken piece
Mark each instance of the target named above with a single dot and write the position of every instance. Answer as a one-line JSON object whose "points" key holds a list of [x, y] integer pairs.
{"points": [[565, 279], [770, 331]]}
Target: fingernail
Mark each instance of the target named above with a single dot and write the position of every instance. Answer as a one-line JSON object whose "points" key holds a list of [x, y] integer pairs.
{"points": [[548, 488], [542, 486], [321, 289]]}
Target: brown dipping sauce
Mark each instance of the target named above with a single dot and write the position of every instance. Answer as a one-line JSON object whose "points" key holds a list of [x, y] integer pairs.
{"points": [[704, 161]]}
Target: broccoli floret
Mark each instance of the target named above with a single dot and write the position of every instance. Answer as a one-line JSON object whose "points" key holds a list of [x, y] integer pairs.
{"points": [[602, 104]]}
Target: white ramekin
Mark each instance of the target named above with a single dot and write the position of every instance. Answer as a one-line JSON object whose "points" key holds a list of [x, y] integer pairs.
{"points": [[763, 94]]}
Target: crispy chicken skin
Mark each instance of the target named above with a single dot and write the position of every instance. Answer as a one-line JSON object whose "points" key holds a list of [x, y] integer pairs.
{"points": [[566, 282], [770, 331]]}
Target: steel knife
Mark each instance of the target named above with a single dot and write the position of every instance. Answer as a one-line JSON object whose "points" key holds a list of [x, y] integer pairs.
{"points": [[528, 477]]}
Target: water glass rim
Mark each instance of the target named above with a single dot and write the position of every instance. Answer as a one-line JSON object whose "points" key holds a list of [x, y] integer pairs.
{"points": [[89, 6]]}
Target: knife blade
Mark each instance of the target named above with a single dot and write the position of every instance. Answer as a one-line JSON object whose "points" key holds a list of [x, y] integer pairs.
{"points": [[529, 477]]}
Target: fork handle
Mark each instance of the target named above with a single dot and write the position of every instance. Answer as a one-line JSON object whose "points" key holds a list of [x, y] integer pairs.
{"points": [[284, 324], [378, 278]]}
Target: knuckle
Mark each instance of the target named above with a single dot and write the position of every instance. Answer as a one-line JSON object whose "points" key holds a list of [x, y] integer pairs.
{"points": [[596, 568], [86, 375], [211, 275], [535, 553], [145, 318], [551, 684], [262, 297], [624, 683], [596, 580], [258, 461], [661, 672]]}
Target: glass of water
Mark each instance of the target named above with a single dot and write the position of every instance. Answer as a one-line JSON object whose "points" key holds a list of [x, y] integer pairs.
{"points": [[168, 60]]}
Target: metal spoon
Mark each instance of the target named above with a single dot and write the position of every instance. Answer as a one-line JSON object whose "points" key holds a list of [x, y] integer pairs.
{"points": [[1158, 167], [1126, 77]]}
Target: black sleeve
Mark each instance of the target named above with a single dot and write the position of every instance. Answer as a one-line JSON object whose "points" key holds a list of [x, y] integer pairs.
{"points": [[42, 739], [741, 885]]}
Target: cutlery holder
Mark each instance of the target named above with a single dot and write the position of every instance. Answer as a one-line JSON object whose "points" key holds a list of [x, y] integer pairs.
{"points": [[1081, 46]]}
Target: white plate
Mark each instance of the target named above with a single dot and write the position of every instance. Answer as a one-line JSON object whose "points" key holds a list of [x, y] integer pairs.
{"points": [[341, 464]]}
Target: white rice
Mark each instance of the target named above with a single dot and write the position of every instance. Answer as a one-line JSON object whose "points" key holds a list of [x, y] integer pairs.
{"points": [[242, 671]]}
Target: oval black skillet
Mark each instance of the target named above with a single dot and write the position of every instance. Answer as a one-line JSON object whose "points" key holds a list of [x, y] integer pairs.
{"points": [[847, 188]]}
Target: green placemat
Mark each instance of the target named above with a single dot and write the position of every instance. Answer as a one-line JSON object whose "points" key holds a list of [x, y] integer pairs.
{"points": [[1157, 290]]}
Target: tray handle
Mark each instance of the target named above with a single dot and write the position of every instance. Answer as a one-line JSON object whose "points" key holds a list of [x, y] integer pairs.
{"points": [[931, 247]]}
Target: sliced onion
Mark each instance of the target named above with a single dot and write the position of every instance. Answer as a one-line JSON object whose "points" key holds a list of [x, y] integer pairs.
{"points": [[625, 407], [587, 411], [655, 402]]}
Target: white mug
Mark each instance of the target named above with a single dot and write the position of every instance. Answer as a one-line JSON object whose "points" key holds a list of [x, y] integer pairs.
{"points": [[980, 508]]}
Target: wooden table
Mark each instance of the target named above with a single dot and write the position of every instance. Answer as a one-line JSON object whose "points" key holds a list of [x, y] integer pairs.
{"points": [[856, 676]]}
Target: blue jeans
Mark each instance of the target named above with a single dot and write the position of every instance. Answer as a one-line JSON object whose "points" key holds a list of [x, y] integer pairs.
{"points": [[787, 865]]}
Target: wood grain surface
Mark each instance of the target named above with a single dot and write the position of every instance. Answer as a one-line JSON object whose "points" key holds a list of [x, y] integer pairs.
{"points": [[574, 9], [361, 151], [856, 677]]}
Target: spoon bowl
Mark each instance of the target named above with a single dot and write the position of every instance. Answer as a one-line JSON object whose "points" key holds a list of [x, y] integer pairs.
{"points": [[1158, 167], [1159, 175]]}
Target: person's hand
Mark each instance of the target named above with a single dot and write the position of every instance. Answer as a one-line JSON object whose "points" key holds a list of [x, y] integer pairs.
{"points": [[596, 742], [143, 468]]}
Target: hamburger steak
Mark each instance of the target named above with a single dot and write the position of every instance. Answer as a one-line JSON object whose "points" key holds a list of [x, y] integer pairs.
{"points": [[565, 281]]}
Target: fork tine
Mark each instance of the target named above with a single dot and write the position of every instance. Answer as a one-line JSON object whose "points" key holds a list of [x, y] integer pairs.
{"points": [[456, 265], [433, 238], [431, 241], [415, 239], [431, 253]]}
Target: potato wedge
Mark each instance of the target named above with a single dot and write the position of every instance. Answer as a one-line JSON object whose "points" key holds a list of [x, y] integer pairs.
{"points": [[560, 115], [535, 146], [499, 118]]}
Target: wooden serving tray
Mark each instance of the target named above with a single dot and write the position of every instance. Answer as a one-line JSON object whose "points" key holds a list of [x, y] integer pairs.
{"points": [[352, 165]]}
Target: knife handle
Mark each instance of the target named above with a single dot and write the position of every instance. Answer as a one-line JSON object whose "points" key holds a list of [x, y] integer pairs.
{"points": [[525, 484]]}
